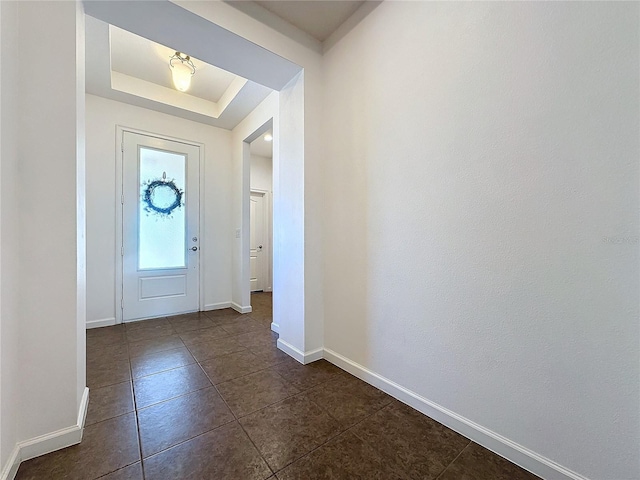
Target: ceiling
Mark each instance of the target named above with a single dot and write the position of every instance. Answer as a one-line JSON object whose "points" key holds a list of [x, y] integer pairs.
{"points": [[317, 18], [261, 147], [128, 68], [138, 57], [317, 25], [132, 69]]}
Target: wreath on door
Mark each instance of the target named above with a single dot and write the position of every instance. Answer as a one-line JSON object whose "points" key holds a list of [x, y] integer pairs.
{"points": [[161, 196]]}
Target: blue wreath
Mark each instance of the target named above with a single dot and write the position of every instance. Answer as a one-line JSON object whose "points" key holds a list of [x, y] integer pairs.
{"points": [[148, 197]]}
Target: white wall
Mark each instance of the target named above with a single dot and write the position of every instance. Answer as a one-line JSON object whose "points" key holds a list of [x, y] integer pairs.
{"points": [[261, 178], [51, 277], [216, 234], [261, 173], [9, 235], [42, 360], [481, 189]]}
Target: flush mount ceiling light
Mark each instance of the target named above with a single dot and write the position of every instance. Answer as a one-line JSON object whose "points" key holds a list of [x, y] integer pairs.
{"points": [[182, 69], [268, 137]]}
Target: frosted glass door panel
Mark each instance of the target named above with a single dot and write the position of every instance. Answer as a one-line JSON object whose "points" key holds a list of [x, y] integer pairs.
{"points": [[161, 214]]}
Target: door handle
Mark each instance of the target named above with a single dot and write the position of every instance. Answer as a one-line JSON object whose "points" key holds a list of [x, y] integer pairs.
{"points": [[194, 249]]}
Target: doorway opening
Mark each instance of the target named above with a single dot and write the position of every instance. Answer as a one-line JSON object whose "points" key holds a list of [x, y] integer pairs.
{"points": [[260, 148]]}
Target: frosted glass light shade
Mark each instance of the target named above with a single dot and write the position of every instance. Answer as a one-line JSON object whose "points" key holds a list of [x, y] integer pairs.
{"points": [[181, 74]]}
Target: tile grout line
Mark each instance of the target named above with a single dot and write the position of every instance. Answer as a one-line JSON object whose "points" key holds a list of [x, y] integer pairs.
{"points": [[135, 410], [332, 437], [236, 418], [452, 461]]}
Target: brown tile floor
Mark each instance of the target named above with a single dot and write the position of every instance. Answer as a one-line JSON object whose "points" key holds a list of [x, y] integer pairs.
{"points": [[209, 396]]}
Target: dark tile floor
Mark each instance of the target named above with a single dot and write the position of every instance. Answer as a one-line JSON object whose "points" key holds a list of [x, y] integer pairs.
{"points": [[209, 396]]}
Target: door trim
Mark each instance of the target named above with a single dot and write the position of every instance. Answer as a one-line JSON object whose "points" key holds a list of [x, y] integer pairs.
{"points": [[120, 131]]}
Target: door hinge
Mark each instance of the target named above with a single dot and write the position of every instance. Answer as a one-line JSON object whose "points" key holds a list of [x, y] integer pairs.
{"points": [[122, 199], [122, 147], [122, 251], [122, 304]]}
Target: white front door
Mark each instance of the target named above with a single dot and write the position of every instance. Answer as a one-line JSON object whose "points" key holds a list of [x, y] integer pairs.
{"points": [[160, 212], [257, 224]]}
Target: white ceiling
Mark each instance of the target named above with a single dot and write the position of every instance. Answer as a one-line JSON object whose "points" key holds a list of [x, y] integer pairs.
{"points": [[132, 69], [261, 147], [317, 18], [138, 57], [128, 68]]}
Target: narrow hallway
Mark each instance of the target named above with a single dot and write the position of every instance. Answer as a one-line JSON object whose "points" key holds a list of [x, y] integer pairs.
{"points": [[209, 396]]}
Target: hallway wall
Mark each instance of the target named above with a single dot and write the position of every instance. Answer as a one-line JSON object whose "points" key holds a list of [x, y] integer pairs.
{"points": [[42, 313], [9, 233], [102, 117], [481, 211]]}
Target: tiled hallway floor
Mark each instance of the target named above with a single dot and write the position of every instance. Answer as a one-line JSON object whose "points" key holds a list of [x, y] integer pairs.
{"points": [[209, 396]]}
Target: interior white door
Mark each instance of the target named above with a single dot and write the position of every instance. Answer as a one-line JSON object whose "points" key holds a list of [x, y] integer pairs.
{"points": [[257, 237], [160, 212]]}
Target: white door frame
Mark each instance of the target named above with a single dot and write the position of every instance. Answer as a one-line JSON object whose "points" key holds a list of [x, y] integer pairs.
{"points": [[120, 131]]}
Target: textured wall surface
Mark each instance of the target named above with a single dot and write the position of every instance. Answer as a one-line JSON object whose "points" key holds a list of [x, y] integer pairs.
{"points": [[481, 195]]}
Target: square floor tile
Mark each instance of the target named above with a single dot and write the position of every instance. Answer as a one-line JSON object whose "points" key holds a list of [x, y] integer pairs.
{"points": [[100, 337], [160, 361], [256, 338], [307, 376], [419, 445], [234, 365], [204, 335], [107, 353], [151, 330], [108, 402], [348, 399], [106, 447], [168, 423], [166, 385], [223, 453], [223, 313], [287, 430], [269, 354], [101, 374], [252, 392], [188, 323], [152, 345], [214, 348], [345, 457], [478, 463], [242, 325]]}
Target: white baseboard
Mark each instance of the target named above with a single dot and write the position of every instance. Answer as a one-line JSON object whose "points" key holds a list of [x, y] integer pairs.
{"points": [[525, 458], [275, 327], [103, 322], [302, 357], [240, 309], [11, 467], [217, 306], [53, 441], [47, 443], [313, 355]]}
